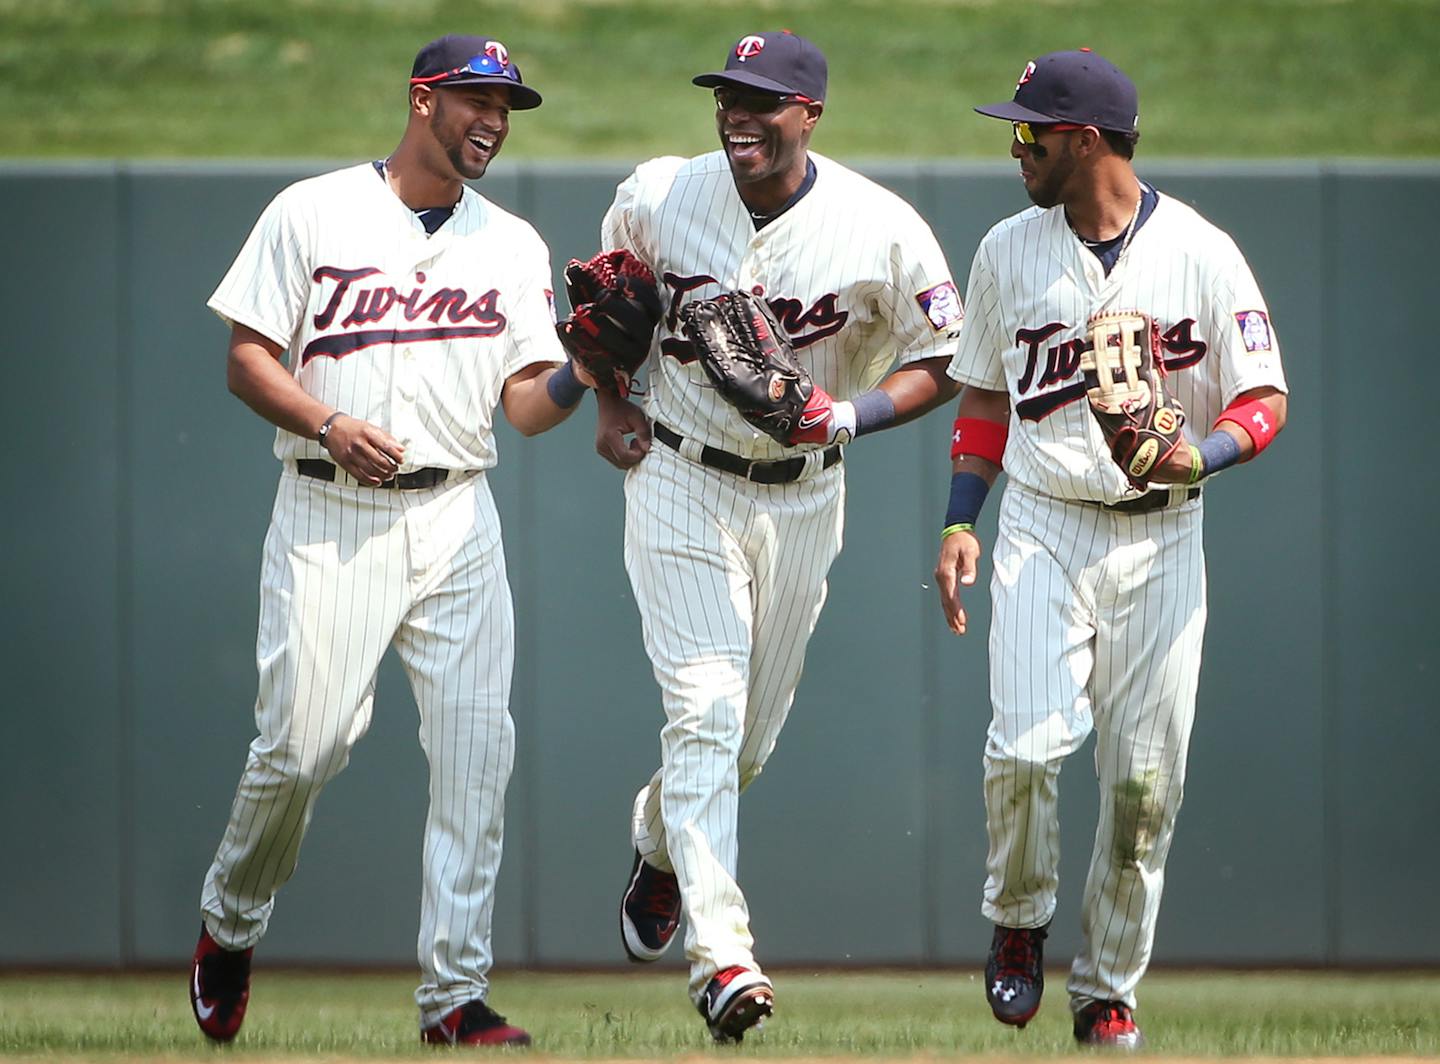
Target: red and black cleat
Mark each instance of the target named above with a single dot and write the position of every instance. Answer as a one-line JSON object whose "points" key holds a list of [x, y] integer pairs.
{"points": [[649, 911], [474, 1024], [1108, 1023], [735, 1001], [219, 987], [1015, 973]]}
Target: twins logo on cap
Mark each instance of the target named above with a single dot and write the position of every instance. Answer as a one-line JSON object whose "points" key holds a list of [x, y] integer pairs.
{"points": [[749, 47], [497, 51], [1026, 74]]}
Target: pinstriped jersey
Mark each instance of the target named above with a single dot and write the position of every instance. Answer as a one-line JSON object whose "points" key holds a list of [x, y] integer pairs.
{"points": [[1034, 285], [853, 273], [414, 333]]}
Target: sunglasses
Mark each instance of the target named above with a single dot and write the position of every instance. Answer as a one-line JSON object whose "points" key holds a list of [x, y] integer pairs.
{"points": [[755, 103], [1025, 133], [485, 64]]}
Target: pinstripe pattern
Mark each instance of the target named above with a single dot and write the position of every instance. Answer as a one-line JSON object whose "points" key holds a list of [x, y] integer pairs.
{"points": [[847, 238], [1098, 620], [1031, 271], [349, 571], [346, 573], [730, 575], [729, 594], [1098, 617]]}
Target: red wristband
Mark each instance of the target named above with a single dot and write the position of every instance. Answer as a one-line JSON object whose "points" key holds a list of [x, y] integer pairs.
{"points": [[984, 439], [1255, 418]]}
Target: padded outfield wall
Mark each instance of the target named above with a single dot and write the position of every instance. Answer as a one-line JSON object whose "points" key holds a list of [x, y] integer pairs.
{"points": [[138, 491]]}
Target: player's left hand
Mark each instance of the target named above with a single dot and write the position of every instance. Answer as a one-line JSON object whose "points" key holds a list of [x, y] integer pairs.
{"points": [[959, 558], [823, 420]]}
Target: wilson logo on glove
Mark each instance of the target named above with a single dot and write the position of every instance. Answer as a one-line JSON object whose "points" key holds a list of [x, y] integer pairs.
{"points": [[1125, 385]]}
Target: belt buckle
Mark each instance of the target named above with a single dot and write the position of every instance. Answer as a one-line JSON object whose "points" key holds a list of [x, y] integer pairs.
{"points": [[750, 470]]}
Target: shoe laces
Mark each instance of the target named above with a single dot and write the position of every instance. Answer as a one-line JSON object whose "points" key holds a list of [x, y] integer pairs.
{"points": [[1018, 953], [480, 1015], [662, 894], [1113, 1018]]}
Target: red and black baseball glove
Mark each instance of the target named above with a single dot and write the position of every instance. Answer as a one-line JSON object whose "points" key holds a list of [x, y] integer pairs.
{"points": [[615, 307]]}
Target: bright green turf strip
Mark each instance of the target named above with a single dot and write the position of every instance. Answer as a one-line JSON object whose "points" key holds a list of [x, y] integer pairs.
{"points": [[647, 1015], [1218, 78]]}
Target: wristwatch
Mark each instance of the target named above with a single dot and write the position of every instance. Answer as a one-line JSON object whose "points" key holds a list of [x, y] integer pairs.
{"points": [[325, 428]]}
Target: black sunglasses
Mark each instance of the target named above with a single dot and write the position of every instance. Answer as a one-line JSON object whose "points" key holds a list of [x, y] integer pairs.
{"points": [[755, 103]]}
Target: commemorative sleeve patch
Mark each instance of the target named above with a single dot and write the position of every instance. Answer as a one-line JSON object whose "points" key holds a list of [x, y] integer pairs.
{"points": [[1254, 330], [941, 305], [550, 299]]}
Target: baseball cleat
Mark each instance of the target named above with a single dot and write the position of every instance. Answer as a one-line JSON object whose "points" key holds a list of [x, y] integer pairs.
{"points": [[219, 987], [474, 1024], [1108, 1023], [1015, 973], [649, 912], [736, 1000]]}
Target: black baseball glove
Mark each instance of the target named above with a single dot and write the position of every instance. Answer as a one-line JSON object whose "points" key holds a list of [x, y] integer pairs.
{"points": [[1125, 384], [615, 307], [747, 356]]}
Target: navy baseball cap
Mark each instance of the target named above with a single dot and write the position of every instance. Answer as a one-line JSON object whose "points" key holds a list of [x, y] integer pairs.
{"points": [[465, 59], [1077, 86], [781, 63]]}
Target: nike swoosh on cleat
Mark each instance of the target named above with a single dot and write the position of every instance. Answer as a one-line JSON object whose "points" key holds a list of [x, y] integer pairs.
{"points": [[202, 1010]]}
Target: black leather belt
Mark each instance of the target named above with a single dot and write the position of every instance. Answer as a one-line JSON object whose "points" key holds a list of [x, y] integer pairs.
{"points": [[1148, 503], [779, 471], [419, 478]]}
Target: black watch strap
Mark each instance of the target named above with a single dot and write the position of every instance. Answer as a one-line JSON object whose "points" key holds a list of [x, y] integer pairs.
{"points": [[325, 427]]}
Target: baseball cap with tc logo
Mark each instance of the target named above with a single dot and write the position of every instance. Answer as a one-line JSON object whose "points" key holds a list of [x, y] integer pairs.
{"points": [[781, 63], [466, 59], [1077, 86]]}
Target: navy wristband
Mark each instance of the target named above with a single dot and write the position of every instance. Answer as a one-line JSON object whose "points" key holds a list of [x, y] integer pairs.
{"points": [[1218, 451], [874, 411], [967, 496], [564, 389]]}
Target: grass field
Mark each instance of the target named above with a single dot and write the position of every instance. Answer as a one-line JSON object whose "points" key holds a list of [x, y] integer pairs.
{"points": [[228, 78], [299, 1016]]}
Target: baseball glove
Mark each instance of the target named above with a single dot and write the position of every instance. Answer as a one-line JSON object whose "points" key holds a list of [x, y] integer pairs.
{"points": [[1125, 383], [615, 307], [747, 356]]}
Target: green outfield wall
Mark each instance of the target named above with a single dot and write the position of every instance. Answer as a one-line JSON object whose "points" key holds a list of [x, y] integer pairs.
{"points": [[138, 491]]}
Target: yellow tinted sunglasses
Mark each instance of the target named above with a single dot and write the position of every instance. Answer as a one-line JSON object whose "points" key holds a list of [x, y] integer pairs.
{"points": [[1025, 132]]}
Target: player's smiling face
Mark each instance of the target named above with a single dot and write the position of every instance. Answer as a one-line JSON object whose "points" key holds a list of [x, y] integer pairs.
{"points": [[470, 123], [764, 135]]}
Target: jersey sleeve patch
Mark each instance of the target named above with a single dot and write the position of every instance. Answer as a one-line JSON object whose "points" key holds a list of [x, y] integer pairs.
{"points": [[941, 305], [1254, 330], [550, 301]]}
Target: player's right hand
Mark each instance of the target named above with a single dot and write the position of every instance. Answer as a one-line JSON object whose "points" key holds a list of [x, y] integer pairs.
{"points": [[959, 555], [616, 420], [365, 451]]}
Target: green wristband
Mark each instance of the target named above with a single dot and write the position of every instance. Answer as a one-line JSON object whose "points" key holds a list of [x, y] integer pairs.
{"points": [[1197, 464], [950, 530]]}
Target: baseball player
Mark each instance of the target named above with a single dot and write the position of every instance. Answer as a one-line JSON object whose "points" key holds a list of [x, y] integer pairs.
{"points": [[1098, 590], [729, 534], [378, 315]]}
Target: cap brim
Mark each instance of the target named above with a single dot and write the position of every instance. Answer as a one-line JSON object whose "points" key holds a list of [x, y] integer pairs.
{"points": [[743, 78], [522, 97], [1013, 112]]}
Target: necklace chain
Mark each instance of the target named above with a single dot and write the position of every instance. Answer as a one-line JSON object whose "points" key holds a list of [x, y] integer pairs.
{"points": [[1129, 231]]}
